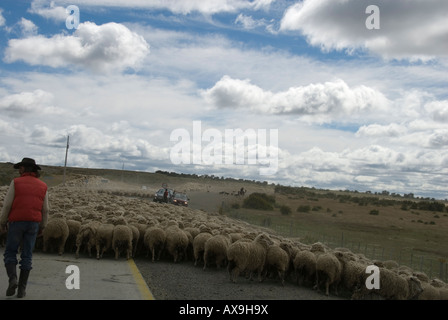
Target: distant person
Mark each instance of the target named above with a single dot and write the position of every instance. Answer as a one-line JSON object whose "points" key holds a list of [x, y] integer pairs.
{"points": [[165, 195], [24, 215]]}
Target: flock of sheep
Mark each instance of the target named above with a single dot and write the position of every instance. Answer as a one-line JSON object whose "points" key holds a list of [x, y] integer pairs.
{"points": [[101, 222]]}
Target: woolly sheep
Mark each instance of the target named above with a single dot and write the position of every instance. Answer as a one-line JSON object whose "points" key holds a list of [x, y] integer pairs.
{"points": [[141, 230], [176, 242], [122, 240], [248, 256], [392, 286], [86, 237], [56, 231], [277, 259], [328, 271], [199, 246], [353, 270], [103, 239], [154, 239], [305, 267], [135, 238], [216, 247], [73, 229]]}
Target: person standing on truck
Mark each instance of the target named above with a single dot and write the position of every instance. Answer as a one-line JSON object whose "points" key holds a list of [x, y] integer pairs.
{"points": [[24, 215]]}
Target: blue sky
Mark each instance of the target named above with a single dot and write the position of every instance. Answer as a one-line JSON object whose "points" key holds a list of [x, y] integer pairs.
{"points": [[355, 108]]}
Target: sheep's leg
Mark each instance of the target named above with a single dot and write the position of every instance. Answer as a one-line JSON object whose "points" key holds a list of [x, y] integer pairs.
{"points": [[205, 260], [77, 251], [129, 251], [61, 248], [45, 245]]}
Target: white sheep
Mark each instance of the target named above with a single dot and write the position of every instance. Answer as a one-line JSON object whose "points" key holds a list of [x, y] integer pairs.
{"points": [[277, 260], [103, 238], [305, 267], [199, 245], [176, 243], [353, 270], [73, 229], [86, 237], [122, 240], [154, 239], [248, 256], [328, 271], [392, 286], [216, 247], [135, 238], [56, 231]]}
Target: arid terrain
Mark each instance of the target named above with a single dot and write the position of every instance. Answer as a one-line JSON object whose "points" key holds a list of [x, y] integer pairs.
{"points": [[362, 223]]}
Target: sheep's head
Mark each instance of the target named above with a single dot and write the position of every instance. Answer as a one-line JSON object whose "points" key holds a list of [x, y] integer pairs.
{"points": [[415, 287], [264, 239]]}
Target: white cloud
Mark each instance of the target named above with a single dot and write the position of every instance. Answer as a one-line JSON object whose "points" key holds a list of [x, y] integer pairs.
{"points": [[248, 22], [2, 19], [104, 48], [26, 103], [28, 27], [326, 101], [48, 10], [409, 29], [182, 7]]}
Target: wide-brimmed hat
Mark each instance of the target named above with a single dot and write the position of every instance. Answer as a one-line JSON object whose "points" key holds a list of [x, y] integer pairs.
{"points": [[27, 162]]}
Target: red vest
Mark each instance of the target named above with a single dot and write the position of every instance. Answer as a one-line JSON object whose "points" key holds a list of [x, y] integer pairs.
{"points": [[29, 195]]}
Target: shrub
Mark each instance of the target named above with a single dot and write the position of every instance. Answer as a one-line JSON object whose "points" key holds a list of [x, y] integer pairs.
{"points": [[285, 210], [304, 208], [259, 201], [235, 206], [374, 212]]}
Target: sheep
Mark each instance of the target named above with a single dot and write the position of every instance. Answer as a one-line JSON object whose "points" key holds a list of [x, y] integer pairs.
{"points": [[135, 238], [216, 247], [140, 243], [392, 286], [328, 270], [429, 292], [305, 267], [353, 270], [277, 260], [122, 239], [176, 243], [248, 256], [86, 237], [154, 239], [103, 239], [73, 229], [56, 231], [199, 245]]}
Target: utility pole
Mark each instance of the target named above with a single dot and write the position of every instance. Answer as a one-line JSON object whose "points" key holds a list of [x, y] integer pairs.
{"points": [[66, 152]]}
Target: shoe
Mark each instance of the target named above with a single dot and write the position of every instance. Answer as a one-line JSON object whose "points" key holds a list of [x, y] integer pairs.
{"points": [[12, 275], [23, 279]]}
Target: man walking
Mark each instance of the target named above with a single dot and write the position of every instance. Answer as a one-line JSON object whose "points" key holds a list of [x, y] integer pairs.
{"points": [[24, 215]]}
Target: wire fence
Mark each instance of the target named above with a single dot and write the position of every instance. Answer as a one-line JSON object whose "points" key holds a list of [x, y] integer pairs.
{"points": [[433, 267]]}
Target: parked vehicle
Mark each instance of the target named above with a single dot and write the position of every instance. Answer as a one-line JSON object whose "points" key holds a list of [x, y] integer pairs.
{"points": [[161, 197], [180, 199]]}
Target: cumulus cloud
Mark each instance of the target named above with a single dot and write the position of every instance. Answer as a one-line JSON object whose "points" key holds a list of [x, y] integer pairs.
{"points": [[49, 9], [102, 48], [21, 104], [409, 29], [334, 98], [28, 27]]}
